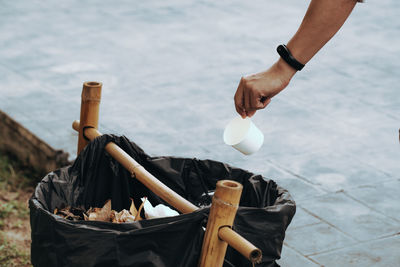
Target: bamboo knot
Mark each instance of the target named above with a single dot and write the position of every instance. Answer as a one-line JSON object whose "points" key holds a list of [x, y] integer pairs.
{"points": [[215, 198], [90, 99], [132, 170]]}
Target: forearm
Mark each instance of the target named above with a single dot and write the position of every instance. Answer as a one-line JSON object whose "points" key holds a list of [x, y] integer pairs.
{"points": [[321, 22]]}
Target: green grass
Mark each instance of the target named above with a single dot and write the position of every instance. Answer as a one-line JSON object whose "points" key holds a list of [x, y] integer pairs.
{"points": [[15, 176], [13, 208], [10, 255], [16, 181]]}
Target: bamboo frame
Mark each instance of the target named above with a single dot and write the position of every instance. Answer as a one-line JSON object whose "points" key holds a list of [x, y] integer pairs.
{"points": [[226, 192]]}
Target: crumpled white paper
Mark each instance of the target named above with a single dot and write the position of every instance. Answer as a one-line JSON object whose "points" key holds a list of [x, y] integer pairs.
{"points": [[158, 211]]}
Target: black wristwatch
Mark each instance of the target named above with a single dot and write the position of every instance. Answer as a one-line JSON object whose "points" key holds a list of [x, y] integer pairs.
{"points": [[285, 54]]}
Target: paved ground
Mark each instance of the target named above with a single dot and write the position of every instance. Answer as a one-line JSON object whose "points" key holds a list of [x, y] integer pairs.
{"points": [[170, 70]]}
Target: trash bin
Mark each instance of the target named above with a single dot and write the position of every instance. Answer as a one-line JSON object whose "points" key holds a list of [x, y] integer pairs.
{"points": [[265, 212]]}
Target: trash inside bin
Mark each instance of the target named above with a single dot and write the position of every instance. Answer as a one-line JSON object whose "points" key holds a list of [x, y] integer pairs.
{"points": [[265, 211]]}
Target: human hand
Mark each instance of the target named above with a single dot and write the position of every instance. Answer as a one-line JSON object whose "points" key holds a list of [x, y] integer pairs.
{"points": [[255, 91]]}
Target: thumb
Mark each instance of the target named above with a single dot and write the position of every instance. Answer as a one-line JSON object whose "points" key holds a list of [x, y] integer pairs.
{"points": [[265, 101]]}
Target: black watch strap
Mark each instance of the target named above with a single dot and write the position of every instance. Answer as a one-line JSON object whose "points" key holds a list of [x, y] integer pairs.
{"points": [[285, 54]]}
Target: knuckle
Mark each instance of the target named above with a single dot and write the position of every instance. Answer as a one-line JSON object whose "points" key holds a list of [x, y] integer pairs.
{"points": [[251, 88]]}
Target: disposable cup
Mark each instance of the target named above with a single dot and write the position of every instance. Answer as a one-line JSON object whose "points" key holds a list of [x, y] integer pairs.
{"points": [[243, 135]]}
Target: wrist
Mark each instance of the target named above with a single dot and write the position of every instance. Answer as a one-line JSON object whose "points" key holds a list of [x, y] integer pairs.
{"points": [[286, 71]]}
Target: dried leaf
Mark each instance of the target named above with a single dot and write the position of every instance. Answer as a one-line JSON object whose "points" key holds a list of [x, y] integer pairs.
{"points": [[122, 216], [133, 209], [73, 214], [138, 218], [102, 214], [92, 216], [107, 206], [126, 216]]}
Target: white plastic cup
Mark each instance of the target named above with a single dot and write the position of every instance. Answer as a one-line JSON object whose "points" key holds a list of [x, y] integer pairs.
{"points": [[243, 135]]}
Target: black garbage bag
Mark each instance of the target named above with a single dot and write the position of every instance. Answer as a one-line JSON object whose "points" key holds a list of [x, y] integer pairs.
{"points": [[265, 212]]}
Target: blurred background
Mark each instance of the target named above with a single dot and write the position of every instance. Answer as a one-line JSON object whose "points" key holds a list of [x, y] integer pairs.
{"points": [[169, 71]]}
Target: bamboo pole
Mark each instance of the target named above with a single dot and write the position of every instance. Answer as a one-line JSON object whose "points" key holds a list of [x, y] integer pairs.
{"points": [[241, 244], [140, 173], [90, 102], [222, 214]]}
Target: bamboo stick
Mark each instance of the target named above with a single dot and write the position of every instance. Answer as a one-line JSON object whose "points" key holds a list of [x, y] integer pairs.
{"points": [[90, 102], [222, 214], [240, 244], [138, 171]]}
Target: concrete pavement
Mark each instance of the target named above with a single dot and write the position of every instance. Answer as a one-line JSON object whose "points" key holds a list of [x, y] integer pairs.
{"points": [[170, 70]]}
